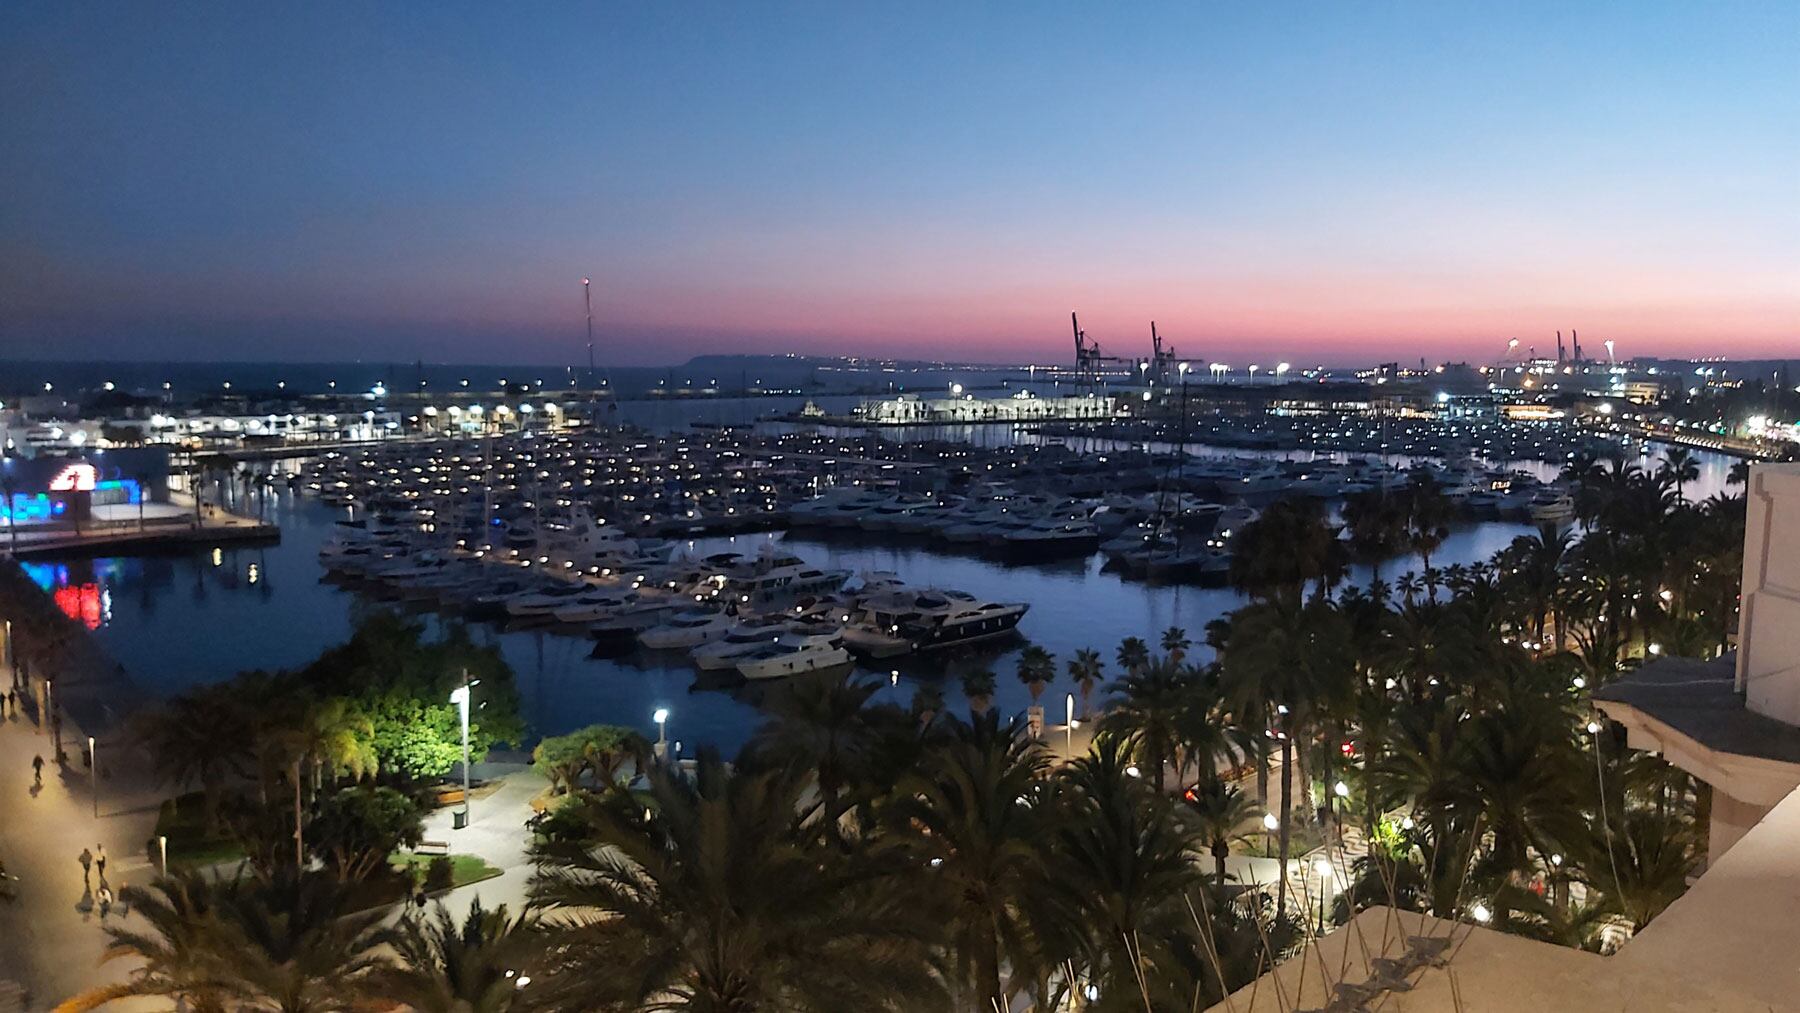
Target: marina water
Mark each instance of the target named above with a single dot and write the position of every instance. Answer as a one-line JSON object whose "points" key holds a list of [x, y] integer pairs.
{"points": [[181, 620]]}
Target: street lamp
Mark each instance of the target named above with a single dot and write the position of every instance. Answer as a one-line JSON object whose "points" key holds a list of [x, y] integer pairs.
{"points": [[1270, 824], [1323, 868], [661, 717], [460, 697], [1069, 723], [94, 775]]}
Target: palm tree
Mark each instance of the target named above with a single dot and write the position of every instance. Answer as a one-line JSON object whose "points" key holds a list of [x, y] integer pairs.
{"points": [[979, 687], [1680, 467], [1175, 643], [1218, 809], [1133, 654], [927, 704], [1148, 709], [1036, 668], [1122, 862], [819, 725], [302, 952], [1086, 668], [968, 821], [721, 900], [1290, 662], [269, 946], [1640, 863], [1427, 518], [197, 738], [178, 950], [1534, 566], [1377, 525], [337, 738], [1287, 546], [452, 966]]}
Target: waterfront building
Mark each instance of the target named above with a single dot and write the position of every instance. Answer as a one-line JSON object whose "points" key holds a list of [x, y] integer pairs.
{"points": [[1725, 945], [47, 490]]}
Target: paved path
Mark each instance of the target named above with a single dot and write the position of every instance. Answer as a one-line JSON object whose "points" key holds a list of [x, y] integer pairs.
{"points": [[497, 833], [52, 932]]}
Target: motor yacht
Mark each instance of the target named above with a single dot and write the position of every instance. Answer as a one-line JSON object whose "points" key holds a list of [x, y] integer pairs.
{"points": [[687, 628]]}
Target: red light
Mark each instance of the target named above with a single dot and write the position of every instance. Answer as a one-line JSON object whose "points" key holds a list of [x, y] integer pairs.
{"points": [[1348, 749]]}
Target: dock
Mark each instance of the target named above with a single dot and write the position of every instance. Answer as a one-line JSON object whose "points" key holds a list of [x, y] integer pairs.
{"points": [[160, 526]]}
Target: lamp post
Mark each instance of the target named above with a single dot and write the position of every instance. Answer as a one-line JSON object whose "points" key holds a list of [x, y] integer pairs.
{"points": [[460, 697], [1323, 868], [661, 717], [1270, 824], [162, 849], [94, 775], [1069, 724]]}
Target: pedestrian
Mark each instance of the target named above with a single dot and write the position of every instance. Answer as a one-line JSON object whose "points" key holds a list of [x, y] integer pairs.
{"points": [[87, 861], [105, 896], [37, 768], [100, 861], [12, 697]]}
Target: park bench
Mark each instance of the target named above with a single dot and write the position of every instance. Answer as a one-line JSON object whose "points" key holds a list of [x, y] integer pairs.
{"points": [[432, 848]]}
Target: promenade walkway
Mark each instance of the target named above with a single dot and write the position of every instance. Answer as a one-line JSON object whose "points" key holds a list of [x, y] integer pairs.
{"points": [[51, 933]]}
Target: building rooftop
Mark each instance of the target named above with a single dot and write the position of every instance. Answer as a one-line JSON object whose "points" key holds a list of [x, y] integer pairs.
{"points": [[1700, 700]]}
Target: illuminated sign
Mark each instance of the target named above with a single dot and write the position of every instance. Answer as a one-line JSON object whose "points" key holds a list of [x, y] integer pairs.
{"points": [[75, 478]]}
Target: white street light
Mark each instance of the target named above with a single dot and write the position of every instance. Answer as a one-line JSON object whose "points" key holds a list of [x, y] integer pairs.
{"points": [[1069, 708], [94, 771], [661, 717], [460, 697], [1341, 790], [1270, 824]]}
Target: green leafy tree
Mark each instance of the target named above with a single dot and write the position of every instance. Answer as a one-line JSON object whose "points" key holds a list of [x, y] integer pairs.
{"points": [[353, 831], [599, 752]]}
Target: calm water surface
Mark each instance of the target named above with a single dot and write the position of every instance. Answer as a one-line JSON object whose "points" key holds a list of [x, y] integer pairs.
{"points": [[177, 621]]}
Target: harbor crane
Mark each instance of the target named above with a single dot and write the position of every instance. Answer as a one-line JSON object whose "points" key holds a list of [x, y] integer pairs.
{"points": [[1090, 361], [1162, 361]]}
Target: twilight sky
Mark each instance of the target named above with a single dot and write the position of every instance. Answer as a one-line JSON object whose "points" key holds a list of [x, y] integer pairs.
{"points": [[1335, 182]]}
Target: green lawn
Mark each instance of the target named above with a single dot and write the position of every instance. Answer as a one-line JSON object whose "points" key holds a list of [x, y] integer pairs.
{"points": [[182, 821], [465, 869]]}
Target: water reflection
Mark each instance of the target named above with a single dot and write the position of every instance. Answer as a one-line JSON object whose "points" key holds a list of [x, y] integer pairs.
{"points": [[185, 619]]}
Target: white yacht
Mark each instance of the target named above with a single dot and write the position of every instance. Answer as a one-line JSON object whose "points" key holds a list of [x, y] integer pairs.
{"points": [[543, 603], [687, 628], [748, 635], [793, 655]]}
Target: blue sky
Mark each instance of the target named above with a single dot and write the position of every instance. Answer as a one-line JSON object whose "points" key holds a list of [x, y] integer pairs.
{"points": [[1317, 181]]}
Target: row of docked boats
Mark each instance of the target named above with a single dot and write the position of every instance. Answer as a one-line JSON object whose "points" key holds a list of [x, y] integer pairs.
{"points": [[767, 615]]}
